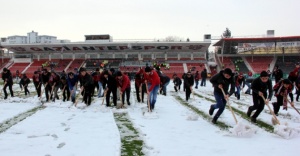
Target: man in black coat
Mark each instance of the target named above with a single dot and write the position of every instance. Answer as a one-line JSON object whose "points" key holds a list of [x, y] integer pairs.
{"points": [[8, 82], [177, 82], [259, 87], [111, 87], [220, 81], [188, 85], [86, 86], [45, 80], [278, 74]]}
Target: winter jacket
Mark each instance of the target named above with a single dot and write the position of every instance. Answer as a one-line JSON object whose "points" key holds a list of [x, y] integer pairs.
{"points": [[188, 81], [220, 79], [72, 82], [258, 86], [153, 79], [139, 79], [239, 81], [46, 77], [111, 82], [177, 81], [164, 79], [280, 90], [197, 76], [86, 81], [7, 77], [124, 82], [37, 79], [204, 74], [25, 81]]}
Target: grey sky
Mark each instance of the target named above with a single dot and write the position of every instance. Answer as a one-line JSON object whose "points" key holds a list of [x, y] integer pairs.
{"points": [[149, 19]]}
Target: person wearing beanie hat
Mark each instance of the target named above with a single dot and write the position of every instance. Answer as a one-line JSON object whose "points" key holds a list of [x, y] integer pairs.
{"points": [[24, 84], [152, 82], [8, 82], [123, 83], [221, 81], [259, 87], [277, 73], [239, 84], [282, 89]]}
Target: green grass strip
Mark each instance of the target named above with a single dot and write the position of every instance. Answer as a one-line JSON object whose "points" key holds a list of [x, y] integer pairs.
{"points": [[12, 121], [259, 123], [204, 115], [132, 144]]}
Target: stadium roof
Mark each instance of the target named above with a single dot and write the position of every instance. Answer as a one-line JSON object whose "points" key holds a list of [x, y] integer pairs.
{"points": [[235, 41]]}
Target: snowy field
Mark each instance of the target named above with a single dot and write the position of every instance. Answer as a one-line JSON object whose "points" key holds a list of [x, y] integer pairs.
{"points": [[173, 129]]}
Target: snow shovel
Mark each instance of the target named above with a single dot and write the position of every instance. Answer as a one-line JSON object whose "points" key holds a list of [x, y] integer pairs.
{"points": [[229, 107], [274, 118]]}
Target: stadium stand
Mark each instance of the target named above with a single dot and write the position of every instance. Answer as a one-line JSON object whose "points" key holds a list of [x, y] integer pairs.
{"points": [[260, 63]]}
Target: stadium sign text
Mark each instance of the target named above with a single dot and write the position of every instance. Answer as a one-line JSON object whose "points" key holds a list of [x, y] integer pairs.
{"points": [[104, 48]]}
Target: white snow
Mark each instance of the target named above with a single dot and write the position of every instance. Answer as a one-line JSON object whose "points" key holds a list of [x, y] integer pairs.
{"points": [[171, 129]]}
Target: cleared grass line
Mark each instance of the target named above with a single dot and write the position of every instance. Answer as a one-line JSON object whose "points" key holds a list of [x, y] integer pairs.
{"points": [[204, 115], [12, 121], [131, 142]]}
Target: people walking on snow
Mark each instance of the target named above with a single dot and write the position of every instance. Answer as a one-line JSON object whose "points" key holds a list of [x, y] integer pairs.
{"points": [[164, 82], [111, 87], [24, 83], [221, 81], [64, 88], [72, 81], [8, 82], [37, 81], [188, 85], [248, 83], [239, 84], [123, 82], [197, 78], [177, 82], [140, 86], [282, 89], [97, 83], [86, 86], [54, 82], [203, 77], [152, 80], [277, 74], [45, 79], [260, 86]]}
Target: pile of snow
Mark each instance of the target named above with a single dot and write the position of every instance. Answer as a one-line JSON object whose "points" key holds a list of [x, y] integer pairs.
{"points": [[241, 129], [286, 132]]}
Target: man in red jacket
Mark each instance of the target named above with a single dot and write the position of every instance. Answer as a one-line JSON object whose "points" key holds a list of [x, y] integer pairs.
{"points": [[153, 81], [123, 83]]}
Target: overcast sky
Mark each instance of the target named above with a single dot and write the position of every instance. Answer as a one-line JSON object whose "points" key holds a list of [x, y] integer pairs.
{"points": [[149, 19]]}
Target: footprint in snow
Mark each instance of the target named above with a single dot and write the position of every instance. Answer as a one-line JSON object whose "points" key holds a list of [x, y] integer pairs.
{"points": [[54, 136], [63, 124], [61, 145], [67, 129]]}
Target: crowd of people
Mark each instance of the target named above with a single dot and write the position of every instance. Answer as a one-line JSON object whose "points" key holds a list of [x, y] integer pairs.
{"points": [[116, 85]]}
